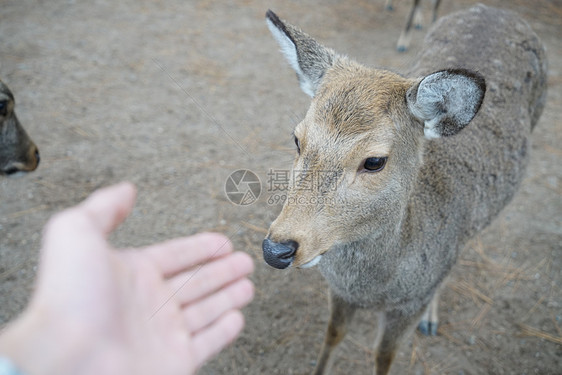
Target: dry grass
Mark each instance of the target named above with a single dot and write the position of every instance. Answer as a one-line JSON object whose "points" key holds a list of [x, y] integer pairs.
{"points": [[12, 270], [255, 228], [533, 332], [32, 210]]}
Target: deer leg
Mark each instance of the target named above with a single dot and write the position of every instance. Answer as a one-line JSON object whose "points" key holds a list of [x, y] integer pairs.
{"points": [[429, 321], [340, 315], [418, 19], [435, 8], [395, 326], [404, 40], [388, 5]]}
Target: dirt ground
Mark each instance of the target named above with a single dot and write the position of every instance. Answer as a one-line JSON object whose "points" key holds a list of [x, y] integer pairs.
{"points": [[176, 95]]}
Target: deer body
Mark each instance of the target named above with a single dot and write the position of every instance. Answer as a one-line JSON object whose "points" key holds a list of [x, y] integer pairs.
{"points": [[407, 191]]}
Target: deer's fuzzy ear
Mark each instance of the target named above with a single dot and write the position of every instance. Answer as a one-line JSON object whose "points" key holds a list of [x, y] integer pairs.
{"points": [[308, 58], [446, 101]]}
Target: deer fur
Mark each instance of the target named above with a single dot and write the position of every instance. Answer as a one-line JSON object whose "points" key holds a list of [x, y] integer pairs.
{"points": [[18, 153], [455, 132]]}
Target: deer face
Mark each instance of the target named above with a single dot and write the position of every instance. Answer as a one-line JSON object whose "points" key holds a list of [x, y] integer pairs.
{"points": [[359, 147], [18, 153], [348, 176]]}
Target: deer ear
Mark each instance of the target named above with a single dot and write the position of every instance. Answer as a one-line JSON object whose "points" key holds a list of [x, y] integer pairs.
{"points": [[446, 101], [308, 58]]}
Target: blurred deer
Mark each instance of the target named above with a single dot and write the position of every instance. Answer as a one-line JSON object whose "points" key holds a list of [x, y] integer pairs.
{"points": [[18, 153], [414, 18], [408, 185]]}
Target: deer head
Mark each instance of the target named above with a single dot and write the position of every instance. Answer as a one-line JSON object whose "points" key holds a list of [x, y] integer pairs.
{"points": [[359, 147], [18, 153]]}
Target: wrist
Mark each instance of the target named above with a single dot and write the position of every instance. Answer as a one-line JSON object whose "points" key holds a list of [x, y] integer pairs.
{"points": [[7, 367], [12, 342], [37, 347]]}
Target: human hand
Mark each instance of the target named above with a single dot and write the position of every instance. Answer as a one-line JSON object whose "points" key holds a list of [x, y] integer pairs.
{"points": [[164, 309]]}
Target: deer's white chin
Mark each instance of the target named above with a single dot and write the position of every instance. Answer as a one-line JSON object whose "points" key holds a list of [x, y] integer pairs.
{"points": [[312, 263], [18, 174]]}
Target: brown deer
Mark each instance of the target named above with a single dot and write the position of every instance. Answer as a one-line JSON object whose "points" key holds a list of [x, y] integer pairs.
{"points": [[18, 153], [414, 18], [408, 185]]}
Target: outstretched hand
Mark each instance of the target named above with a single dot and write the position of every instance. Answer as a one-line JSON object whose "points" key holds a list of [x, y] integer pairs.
{"points": [[164, 309]]}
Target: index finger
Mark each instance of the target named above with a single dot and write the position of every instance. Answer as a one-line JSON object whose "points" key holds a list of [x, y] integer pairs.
{"points": [[181, 254]]}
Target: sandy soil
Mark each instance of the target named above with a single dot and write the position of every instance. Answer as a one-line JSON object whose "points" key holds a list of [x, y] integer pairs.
{"points": [[176, 95]]}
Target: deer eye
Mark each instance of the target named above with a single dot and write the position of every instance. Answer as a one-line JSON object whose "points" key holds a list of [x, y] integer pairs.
{"points": [[298, 144], [3, 107], [374, 164]]}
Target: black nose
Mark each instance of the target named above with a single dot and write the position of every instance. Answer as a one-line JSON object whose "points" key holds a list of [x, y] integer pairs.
{"points": [[37, 157], [279, 254]]}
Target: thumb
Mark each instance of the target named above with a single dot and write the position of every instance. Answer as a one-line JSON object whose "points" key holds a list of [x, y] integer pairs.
{"points": [[75, 252], [92, 220], [107, 208]]}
